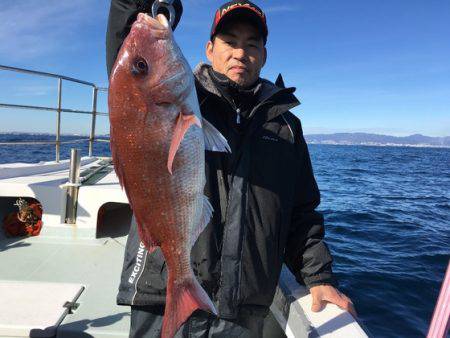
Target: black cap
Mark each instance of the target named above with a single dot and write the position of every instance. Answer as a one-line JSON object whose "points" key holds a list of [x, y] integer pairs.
{"points": [[243, 11]]}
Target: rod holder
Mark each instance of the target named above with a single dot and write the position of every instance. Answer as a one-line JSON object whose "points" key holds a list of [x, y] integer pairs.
{"points": [[72, 187]]}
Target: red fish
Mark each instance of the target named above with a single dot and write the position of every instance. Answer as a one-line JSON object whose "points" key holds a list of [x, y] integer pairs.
{"points": [[158, 142]]}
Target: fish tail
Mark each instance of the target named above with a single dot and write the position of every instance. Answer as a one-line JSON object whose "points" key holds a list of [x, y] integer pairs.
{"points": [[183, 299]]}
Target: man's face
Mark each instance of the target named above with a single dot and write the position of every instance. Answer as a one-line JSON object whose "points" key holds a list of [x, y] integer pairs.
{"points": [[238, 52]]}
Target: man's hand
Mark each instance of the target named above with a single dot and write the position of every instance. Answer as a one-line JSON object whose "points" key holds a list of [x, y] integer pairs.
{"points": [[322, 294]]}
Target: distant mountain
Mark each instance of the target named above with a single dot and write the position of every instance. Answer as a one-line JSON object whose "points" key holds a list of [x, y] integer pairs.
{"points": [[416, 140]]}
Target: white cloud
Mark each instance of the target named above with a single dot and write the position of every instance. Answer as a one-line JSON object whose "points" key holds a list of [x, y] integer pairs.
{"points": [[34, 28]]}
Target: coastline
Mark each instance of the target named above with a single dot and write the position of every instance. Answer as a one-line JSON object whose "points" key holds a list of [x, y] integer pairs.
{"points": [[314, 142], [369, 144]]}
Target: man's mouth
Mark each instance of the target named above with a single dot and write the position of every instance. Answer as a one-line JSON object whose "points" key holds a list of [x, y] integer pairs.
{"points": [[238, 69]]}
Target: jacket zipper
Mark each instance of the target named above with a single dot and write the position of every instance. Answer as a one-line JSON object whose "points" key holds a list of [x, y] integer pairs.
{"points": [[238, 120], [237, 110]]}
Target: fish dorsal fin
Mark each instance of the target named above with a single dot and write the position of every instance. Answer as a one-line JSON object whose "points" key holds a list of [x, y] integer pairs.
{"points": [[214, 140], [207, 211]]}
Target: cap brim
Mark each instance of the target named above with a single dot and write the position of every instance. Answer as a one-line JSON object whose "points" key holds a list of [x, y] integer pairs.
{"points": [[242, 15]]}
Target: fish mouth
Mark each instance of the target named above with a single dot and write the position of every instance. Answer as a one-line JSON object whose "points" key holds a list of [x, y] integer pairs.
{"points": [[157, 29]]}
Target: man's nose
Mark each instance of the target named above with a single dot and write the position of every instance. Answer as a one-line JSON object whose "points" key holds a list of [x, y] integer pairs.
{"points": [[239, 53]]}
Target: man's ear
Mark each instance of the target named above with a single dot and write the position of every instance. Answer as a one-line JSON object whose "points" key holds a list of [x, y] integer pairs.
{"points": [[264, 57], [209, 51]]}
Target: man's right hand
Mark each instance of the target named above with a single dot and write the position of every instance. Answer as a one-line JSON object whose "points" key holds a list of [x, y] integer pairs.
{"points": [[323, 294], [122, 14]]}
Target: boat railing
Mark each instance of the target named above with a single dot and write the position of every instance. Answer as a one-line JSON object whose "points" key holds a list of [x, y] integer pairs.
{"points": [[59, 110]]}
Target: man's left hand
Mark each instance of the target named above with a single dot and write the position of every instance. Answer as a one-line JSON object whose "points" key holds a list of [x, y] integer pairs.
{"points": [[321, 294]]}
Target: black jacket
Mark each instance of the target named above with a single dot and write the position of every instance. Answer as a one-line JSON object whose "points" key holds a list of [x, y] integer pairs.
{"points": [[264, 197]]}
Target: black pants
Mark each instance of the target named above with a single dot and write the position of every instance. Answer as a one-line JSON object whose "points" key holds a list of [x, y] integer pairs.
{"points": [[146, 322]]}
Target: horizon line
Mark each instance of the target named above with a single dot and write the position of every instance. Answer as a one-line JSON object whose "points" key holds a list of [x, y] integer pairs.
{"points": [[332, 133]]}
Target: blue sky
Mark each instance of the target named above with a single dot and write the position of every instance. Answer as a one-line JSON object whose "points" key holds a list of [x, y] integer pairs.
{"points": [[372, 66]]}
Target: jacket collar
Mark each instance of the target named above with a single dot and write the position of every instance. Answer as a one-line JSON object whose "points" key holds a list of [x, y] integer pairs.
{"points": [[277, 98]]}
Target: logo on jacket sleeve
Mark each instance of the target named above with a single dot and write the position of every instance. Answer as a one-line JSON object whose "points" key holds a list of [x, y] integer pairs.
{"points": [[138, 265]]}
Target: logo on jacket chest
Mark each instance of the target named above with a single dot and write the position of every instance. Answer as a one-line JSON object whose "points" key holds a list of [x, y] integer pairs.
{"points": [[270, 138]]}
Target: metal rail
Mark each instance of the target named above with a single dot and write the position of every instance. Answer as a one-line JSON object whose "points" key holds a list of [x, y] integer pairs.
{"points": [[59, 109], [45, 142], [45, 74], [63, 110]]}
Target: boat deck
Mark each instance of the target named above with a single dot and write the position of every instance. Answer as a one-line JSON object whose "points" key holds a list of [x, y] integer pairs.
{"points": [[88, 256], [62, 253], [92, 263]]}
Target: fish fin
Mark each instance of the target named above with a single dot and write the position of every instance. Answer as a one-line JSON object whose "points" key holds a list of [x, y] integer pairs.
{"points": [[150, 246], [145, 238], [117, 163], [184, 122], [207, 212], [183, 299], [214, 140]]}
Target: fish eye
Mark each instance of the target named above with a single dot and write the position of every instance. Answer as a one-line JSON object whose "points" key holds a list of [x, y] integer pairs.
{"points": [[140, 66]]}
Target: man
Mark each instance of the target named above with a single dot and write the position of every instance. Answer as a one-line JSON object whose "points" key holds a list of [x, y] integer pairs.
{"points": [[264, 193]]}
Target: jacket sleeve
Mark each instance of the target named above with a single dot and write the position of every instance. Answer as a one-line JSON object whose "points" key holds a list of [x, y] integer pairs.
{"points": [[306, 254], [122, 14]]}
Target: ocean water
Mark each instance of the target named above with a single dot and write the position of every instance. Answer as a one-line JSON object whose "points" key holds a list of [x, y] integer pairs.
{"points": [[387, 211], [387, 214], [37, 153]]}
